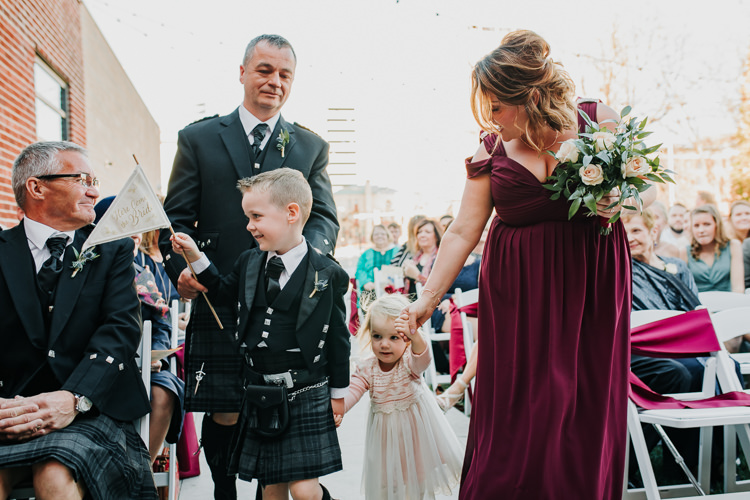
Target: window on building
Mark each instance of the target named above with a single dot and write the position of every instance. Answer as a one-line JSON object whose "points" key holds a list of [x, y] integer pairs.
{"points": [[51, 104]]}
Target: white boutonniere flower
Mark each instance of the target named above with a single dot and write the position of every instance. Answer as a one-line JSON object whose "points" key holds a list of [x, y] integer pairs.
{"points": [[670, 267], [319, 286], [81, 259]]}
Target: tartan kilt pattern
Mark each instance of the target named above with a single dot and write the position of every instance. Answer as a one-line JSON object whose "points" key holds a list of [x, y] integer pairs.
{"points": [[309, 448], [217, 352], [107, 455]]}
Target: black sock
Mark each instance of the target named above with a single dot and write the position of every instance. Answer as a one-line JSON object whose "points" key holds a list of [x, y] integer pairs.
{"points": [[216, 440]]}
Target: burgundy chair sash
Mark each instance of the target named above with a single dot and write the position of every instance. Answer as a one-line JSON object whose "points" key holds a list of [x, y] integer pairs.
{"points": [[686, 335]]}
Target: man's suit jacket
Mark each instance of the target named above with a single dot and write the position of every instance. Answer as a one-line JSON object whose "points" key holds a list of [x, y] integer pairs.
{"points": [[94, 332], [203, 200], [321, 329]]}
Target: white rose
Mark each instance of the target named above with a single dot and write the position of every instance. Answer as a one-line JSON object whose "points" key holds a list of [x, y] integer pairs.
{"points": [[604, 140], [568, 152], [671, 268], [591, 175], [636, 166]]}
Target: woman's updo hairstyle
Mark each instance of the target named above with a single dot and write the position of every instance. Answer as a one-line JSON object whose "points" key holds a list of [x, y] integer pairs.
{"points": [[520, 73]]}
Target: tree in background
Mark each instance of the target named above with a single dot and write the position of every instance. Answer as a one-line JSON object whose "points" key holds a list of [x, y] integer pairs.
{"points": [[741, 172]]}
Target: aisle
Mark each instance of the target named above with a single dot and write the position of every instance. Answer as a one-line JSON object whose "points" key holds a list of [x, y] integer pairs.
{"points": [[344, 485]]}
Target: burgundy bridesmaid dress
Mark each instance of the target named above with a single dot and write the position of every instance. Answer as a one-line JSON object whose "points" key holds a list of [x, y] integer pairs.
{"points": [[549, 418]]}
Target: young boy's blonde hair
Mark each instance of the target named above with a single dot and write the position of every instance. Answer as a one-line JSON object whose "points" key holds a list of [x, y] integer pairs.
{"points": [[285, 186], [388, 306]]}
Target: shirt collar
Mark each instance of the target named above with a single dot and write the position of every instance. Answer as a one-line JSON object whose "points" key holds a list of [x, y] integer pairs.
{"points": [[292, 258], [38, 233], [249, 121]]}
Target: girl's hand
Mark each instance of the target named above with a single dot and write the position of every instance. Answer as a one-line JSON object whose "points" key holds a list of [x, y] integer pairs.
{"points": [[181, 242], [402, 327], [609, 198], [337, 419], [156, 366]]}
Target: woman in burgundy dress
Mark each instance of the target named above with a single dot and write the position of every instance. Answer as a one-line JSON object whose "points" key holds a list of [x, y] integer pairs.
{"points": [[549, 418]]}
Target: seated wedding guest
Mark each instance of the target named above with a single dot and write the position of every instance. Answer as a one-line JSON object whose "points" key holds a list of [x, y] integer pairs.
{"points": [[395, 229], [167, 391], [663, 283], [714, 259], [374, 258], [663, 248], [417, 269], [739, 220], [409, 248], [677, 230], [69, 383], [427, 234], [455, 392], [445, 221], [746, 260]]}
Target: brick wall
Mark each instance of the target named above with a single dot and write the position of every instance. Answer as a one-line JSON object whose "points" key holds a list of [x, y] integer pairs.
{"points": [[50, 29]]}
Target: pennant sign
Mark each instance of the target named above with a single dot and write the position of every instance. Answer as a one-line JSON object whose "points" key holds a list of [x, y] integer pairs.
{"points": [[136, 209]]}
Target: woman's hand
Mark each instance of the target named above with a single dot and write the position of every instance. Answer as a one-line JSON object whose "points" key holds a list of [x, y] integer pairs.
{"points": [[609, 198], [156, 366], [369, 286], [410, 269], [419, 312], [445, 307]]}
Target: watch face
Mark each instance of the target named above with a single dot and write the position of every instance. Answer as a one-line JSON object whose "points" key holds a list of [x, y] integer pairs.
{"points": [[83, 404]]}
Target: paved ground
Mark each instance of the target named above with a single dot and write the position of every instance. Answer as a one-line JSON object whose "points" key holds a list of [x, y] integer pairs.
{"points": [[344, 485]]}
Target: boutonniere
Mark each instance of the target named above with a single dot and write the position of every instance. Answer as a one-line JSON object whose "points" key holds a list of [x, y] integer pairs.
{"points": [[282, 141], [670, 268], [320, 285], [81, 259]]}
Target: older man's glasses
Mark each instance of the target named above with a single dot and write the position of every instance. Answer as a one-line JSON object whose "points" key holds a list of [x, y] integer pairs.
{"points": [[85, 179]]}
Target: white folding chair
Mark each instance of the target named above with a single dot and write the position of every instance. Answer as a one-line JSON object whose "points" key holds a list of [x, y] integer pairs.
{"points": [[731, 323], [378, 280], [719, 301], [735, 420], [463, 299], [431, 375]]}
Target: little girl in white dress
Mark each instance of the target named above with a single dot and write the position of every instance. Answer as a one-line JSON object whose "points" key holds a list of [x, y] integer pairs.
{"points": [[411, 453]]}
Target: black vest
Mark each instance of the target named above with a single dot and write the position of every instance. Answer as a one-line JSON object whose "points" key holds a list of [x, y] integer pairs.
{"points": [[276, 323]]}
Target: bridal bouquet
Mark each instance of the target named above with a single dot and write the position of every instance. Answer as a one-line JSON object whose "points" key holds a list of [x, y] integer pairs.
{"points": [[599, 161]]}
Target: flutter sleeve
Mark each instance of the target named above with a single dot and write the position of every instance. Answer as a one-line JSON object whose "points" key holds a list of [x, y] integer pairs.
{"points": [[482, 167]]}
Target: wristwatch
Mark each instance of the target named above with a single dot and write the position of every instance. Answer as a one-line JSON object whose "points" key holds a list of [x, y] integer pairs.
{"points": [[83, 404]]}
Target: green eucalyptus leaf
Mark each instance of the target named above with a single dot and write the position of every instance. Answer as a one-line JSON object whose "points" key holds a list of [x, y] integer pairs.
{"points": [[625, 111], [590, 202], [574, 207]]}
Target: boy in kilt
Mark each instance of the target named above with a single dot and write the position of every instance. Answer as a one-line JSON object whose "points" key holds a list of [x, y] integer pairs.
{"points": [[291, 333]]}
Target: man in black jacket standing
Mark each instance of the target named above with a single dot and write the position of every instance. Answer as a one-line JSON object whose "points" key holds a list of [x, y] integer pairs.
{"points": [[203, 201]]}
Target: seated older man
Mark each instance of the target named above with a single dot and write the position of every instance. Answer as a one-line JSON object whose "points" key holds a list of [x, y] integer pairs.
{"points": [[69, 330]]}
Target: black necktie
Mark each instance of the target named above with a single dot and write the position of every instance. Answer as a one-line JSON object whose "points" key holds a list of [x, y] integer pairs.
{"points": [[273, 272], [52, 267], [259, 133]]}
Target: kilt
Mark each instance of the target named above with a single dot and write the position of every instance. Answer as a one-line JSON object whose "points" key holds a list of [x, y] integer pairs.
{"points": [[107, 455], [217, 352], [309, 448]]}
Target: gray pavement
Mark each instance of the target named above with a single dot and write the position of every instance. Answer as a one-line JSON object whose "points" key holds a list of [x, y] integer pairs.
{"points": [[345, 484]]}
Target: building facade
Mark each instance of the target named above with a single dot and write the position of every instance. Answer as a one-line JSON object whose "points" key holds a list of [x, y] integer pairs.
{"points": [[51, 54]]}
